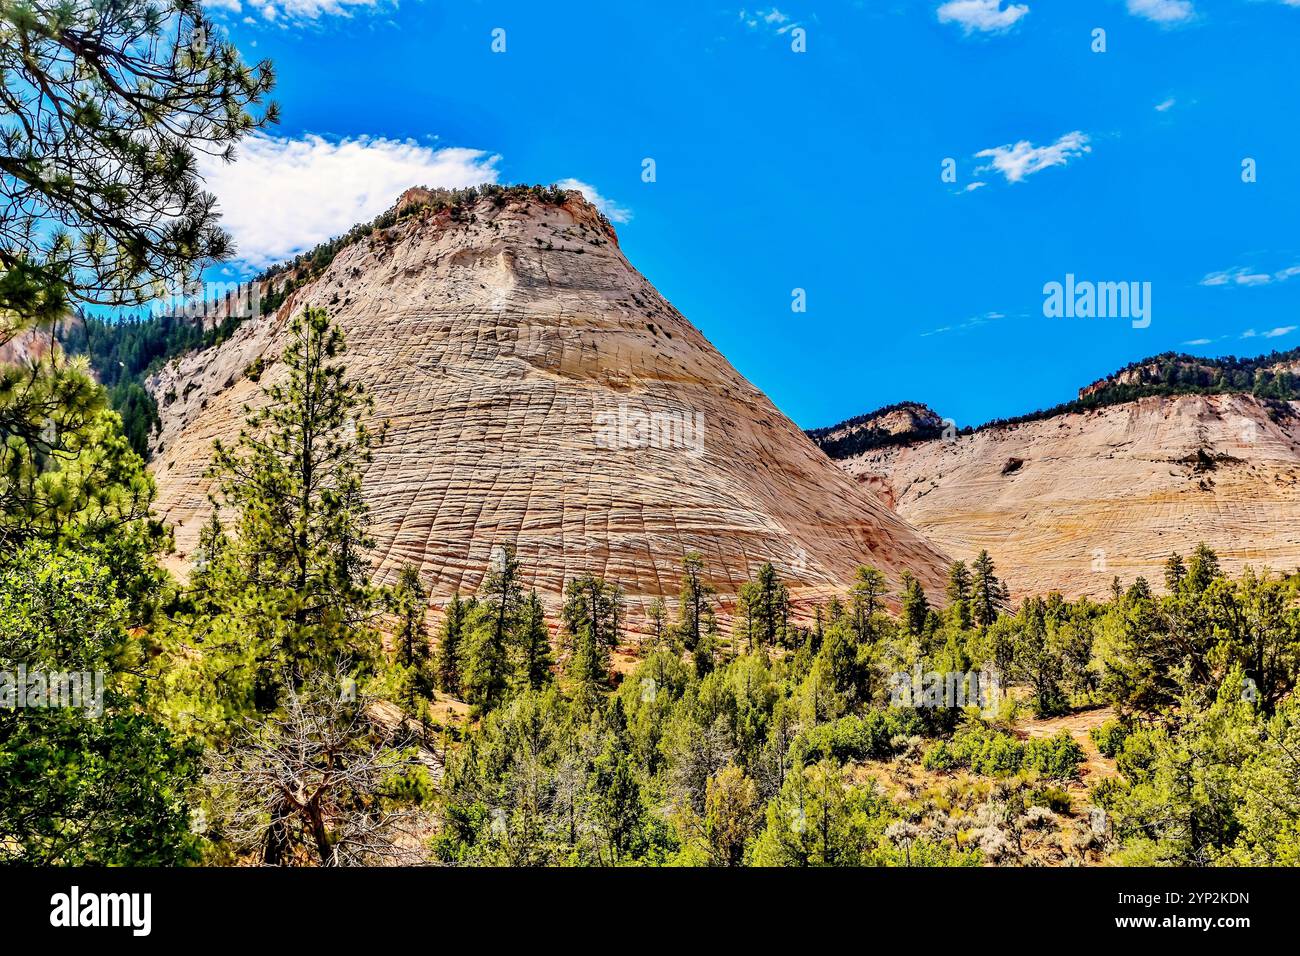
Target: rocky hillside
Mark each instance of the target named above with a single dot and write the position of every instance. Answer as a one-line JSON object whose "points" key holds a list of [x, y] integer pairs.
{"points": [[541, 393], [1276, 375], [1068, 501], [892, 425]]}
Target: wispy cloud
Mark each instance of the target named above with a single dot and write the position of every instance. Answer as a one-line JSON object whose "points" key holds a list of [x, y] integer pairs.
{"points": [[1168, 104], [1022, 159], [1162, 11], [612, 210], [283, 12], [1276, 333], [770, 19], [1198, 342], [983, 16], [971, 323], [282, 196], [1247, 276]]}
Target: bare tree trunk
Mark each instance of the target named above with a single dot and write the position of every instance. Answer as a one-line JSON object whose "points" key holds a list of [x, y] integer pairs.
{"points": [[321, 836]]}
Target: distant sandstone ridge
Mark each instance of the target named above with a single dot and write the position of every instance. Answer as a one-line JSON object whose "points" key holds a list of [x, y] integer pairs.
{"points": [[543, 395], [1070, 500]]}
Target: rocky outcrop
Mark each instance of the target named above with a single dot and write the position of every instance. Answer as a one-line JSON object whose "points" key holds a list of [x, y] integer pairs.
{"points": [[1068, 502], [541, 393]]}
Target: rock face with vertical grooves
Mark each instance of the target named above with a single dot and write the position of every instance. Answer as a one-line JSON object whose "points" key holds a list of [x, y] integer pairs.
{"points": [[542, 394]]}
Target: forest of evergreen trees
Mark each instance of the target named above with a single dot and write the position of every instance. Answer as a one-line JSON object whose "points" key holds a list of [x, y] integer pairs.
{"points": [[759, 734]]}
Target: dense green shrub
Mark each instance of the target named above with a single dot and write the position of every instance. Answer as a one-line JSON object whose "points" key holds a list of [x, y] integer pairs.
{"points": [[871, 736], [1110, 737], [1056, 799], [1057, 757]]}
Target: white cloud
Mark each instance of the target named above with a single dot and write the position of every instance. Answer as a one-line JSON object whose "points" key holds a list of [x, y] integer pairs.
{"points": [[1247, 276], [1162, 11], [1276, 333], [1198, 342], [1169, 103], [282, 196], [1241, 276], [612, 210], [770, 19], [971, 187], [282, 12], [1024, 158], [973, 322], [986, 16]]}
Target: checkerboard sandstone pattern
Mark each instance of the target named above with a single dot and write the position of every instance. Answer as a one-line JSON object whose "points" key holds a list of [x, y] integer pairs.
{"points": [[505, 349]]}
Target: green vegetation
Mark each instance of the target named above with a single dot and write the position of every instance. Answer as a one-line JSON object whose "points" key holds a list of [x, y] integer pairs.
{"points": [[757, 756], [282, 707], [106, 108], [125, 351], [750, 738], [1176, 373]]}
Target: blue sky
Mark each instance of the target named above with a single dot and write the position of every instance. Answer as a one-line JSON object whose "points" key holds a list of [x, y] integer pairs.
{"points": [[822, 170]]}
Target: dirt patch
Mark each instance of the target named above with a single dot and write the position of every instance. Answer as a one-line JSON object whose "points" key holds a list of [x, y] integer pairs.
{"points": [[1079, 725]]}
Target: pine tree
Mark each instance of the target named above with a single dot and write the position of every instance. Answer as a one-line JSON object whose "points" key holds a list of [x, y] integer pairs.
{"points": [[765, 608], [694, 601], [535, 658], [592, 612], [293, 480], [866, 597], [450, 643], [106, 106], [211, 548], [705, 654], [990, 594], [1202, 569], [657, 614], [959, 594], [492, 628], [915, 605], [410, 603], [1175, 572]]}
